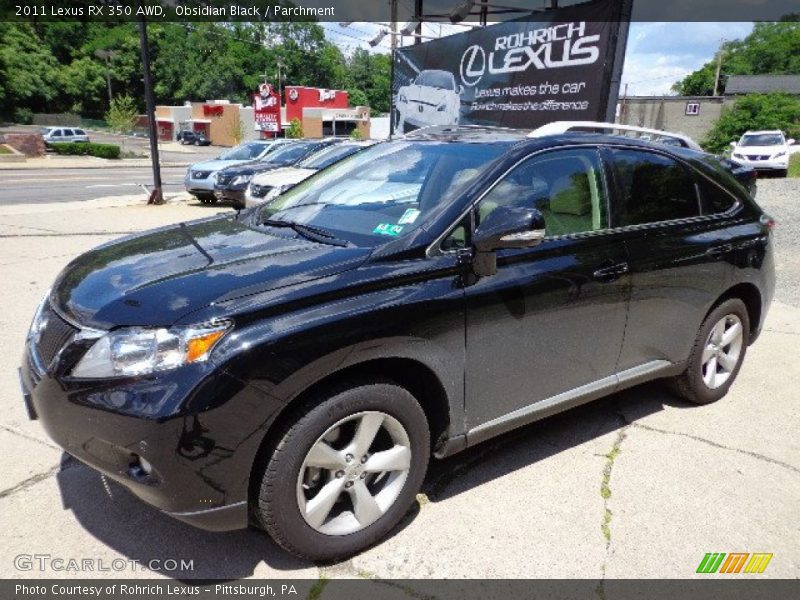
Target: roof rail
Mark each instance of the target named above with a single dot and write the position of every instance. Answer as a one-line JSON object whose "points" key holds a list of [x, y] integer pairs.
{"points": [[654, 135]]}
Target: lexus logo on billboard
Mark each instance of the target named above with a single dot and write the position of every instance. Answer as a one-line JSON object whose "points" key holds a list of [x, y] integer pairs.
{"points": [[565, 45]]}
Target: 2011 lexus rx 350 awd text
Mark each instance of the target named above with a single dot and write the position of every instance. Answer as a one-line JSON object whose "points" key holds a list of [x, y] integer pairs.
{"points": [[294, 366]]}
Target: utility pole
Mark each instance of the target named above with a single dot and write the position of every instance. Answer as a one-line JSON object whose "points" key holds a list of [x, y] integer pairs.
{"points": [[719, 67], [393, 24], [156, 195], [418, 17], [107, 55]]}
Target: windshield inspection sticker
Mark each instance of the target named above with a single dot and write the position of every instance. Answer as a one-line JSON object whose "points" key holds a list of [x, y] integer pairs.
{"points": [[409, 216], [388, 229]]}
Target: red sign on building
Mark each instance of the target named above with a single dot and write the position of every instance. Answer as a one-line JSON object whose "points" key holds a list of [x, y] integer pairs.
{"points": [[298, 98]]}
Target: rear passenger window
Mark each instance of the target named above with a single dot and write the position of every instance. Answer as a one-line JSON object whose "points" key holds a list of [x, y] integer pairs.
{"points": [[68, 132], [566, 186], [652, 188], [715, 199]]}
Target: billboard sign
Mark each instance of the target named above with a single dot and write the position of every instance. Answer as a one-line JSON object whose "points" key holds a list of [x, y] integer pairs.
{"points": [[267, 108], [520, 73]]}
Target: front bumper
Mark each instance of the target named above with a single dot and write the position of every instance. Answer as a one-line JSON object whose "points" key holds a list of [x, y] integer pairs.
{"points": [[199, 186], [198, 428], [232, 195], [777, 164]]}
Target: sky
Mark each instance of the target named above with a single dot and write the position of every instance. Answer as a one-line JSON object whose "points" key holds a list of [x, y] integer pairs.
{"points": [[658, 54]]}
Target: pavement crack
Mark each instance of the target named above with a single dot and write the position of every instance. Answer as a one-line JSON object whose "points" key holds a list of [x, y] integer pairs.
{"points": [[28, 437], [605, 494], [31, 481], [696, 438]]}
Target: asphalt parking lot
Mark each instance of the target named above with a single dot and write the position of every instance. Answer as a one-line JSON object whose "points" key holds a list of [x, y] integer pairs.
{"points": [[638, 485]]}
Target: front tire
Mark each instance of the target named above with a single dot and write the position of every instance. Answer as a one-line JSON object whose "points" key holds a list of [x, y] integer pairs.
{"points": [[344, 471], [717, 354]]}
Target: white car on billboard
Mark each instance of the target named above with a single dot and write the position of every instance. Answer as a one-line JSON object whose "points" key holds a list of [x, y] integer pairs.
{"points": [[764, 151], [434, 98]]}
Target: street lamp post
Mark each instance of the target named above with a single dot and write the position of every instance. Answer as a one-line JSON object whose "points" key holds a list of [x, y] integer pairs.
{"points": [[156, 195]]}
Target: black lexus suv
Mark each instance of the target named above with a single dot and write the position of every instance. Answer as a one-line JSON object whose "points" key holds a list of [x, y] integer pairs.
{"points": [[294, 366]]}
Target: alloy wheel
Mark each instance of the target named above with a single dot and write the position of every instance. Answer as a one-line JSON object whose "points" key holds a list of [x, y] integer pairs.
{"points": [[353, 473], [722, 351]]}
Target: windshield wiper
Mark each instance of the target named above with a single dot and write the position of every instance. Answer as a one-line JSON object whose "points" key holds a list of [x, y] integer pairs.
{"points": [[315, 234]]}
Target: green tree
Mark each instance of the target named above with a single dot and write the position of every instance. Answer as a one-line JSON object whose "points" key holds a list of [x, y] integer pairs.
{"points": [[357, 98], [121, 116], [771, 48], [755, 111], [30, 69]]}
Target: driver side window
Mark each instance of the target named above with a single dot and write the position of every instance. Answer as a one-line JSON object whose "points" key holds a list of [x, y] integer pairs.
{"points": [[566, 186]]}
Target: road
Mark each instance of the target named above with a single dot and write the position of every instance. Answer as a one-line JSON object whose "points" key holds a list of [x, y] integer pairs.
{"points": [[63, 185]]}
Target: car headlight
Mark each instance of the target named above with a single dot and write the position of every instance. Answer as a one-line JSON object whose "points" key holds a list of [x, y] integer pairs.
{"points": [[36, 322], [442, 107], [138, 350], [737, 155], [779, 154], [240, 179]]}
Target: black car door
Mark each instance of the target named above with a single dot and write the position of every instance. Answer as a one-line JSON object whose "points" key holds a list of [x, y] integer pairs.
{"points": [[548, 326], [677, 255]]}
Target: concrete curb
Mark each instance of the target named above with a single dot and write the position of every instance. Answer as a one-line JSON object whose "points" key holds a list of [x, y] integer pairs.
{"points": [[93, 165]]}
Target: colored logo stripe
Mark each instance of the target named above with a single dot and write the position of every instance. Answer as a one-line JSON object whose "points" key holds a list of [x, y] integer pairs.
{"points": [[710, 562], [758, 563], [734, 563]]}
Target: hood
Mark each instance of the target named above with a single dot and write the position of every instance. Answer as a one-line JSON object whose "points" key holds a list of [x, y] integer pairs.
{"points": [[761, 150], [250, 167], [283, 176], [427, 94], [158, 277], [214, 165]]}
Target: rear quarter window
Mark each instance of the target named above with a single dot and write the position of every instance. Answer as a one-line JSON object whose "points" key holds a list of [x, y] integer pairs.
{"points": [[652, 188]]}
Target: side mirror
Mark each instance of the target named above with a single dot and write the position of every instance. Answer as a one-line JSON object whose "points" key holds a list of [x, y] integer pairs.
{"points": [[508, 227], [733, 144], [790, 142]]}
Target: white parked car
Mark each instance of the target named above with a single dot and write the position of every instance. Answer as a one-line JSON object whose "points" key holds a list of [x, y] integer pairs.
{"points": [[433, 99], [268, 185], [764, 151]]}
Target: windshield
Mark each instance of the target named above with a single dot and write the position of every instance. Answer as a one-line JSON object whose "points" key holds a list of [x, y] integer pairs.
{"points": [[325, 158], [291, 153], [245, 151], [762, 139], [437, 79], [384, 192]]}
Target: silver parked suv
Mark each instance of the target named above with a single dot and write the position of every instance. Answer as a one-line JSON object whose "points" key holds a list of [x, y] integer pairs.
{"points": [[55, 135]]}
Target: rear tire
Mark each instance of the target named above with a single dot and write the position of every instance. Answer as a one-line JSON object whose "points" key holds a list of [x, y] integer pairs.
{"points": [[717, 354], [344, 471]]}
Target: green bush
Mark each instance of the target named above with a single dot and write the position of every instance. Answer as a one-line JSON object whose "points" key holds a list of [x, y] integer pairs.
{"points": [[754, 111], [90, 149], [295, 129], [794, 165]]}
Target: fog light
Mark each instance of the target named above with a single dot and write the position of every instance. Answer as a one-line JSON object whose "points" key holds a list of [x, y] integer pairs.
{"points": [[146, 466]]}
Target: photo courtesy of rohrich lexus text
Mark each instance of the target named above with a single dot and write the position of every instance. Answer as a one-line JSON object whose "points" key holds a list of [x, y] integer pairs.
{"points": [[453, 299]]}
